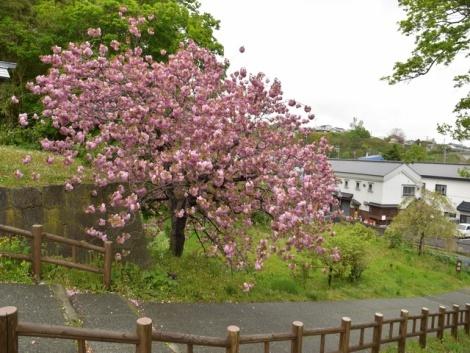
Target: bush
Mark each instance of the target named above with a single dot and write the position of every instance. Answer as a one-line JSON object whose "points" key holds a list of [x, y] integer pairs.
{"points": [[353, 260], [394, 238]]}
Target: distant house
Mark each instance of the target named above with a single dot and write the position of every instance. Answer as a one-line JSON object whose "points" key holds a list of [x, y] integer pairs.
{"points": [[445, 179], [375, 190], [4, 67], [329, 128]]}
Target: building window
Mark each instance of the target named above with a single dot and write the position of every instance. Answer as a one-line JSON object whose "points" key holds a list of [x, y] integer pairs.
{"points": [[370, 189], [409, 190], [450, 215], [358, 185], [346, 182], [464, 218], [441, 189]]}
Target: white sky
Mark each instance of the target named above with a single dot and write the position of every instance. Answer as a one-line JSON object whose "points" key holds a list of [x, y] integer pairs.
{"points": [[331, 54]]}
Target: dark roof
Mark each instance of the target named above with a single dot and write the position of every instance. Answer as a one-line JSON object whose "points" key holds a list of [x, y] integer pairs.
{"points": [[464, 206], [343, 195], [354, 202], [374, 204], [378, 168], [439, 170]]}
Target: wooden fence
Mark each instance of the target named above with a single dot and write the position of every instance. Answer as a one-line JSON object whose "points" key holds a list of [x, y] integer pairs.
{"points": [[39, 237], [383, 332]]}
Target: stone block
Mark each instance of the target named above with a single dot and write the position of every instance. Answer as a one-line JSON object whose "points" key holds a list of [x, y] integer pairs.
{"points": [[32, 215], [53, 196], [4, 204], [26, 198]]}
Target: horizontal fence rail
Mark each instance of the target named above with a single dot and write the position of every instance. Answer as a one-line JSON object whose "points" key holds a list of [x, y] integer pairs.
{"points": [[39, 237], [397, 330]]}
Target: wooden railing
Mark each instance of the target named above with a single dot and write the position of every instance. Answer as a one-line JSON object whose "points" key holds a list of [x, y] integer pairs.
{"points": [[409, 326], [38, 237]]}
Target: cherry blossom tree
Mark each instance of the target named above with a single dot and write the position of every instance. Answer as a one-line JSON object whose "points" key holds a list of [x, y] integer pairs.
{"points": [[189, 140]]}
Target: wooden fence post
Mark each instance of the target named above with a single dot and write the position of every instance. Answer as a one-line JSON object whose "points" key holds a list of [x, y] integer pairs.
{"points": [[108, 261], [144, 333], [8, 324], [455, 320], [81, 346], [298, 331], [37, 240], [441, 319], [345, 335], [233, 339], [403, 331], [377, 334], [423, 327], [467, 319]]}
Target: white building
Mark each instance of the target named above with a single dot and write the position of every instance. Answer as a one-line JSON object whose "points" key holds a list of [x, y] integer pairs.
{"points": [[376, 190]]}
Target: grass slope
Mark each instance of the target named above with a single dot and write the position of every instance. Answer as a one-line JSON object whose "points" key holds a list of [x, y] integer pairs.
{"points": [[11, 160], [198, 278]]}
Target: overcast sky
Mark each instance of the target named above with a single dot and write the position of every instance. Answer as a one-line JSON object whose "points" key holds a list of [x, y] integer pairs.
{"points": [[331, 54]]}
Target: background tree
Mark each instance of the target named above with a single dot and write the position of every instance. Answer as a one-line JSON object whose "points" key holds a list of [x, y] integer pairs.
{"points": [[394, 153], [416, 153], [441, 29], [357, 129], [398, 135], [29, 28], [423, 218], [183, 138]]}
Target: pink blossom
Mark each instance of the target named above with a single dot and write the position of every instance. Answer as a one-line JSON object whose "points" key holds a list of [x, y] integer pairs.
{"points": [[221, 146], [49, 159], [14, 100], [114, 44], [247, 286], [23, 119], [90, 209], [18, 174], [94, 32], [35, 176], [68, 187], [27, 159]]}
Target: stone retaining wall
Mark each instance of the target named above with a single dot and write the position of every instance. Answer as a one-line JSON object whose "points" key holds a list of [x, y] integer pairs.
{"points": [[62, 213]]}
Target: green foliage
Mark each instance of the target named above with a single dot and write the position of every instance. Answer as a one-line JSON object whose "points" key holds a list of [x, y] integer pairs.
{"points": [[441, 30], [394, 153], [424, 218], [14, 270], [198, 277], [10, 161], [416, 153], [434, 345], [30, 28], [353, 250], [394, 237]]}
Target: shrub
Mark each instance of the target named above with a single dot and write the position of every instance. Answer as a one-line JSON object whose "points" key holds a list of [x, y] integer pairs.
{"points": [[353, 256], [394, 238]]}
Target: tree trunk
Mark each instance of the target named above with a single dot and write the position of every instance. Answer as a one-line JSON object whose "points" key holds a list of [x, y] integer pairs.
{"points": [[421, 244], [178, 225], [177, 236]]}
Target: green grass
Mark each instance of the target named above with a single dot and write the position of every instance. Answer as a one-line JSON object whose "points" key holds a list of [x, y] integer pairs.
{"points": [[196, 277], [11, 160], [448, 345]]}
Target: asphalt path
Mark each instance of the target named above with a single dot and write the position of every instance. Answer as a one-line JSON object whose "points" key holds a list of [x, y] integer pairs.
{"points": [[109, 311]]}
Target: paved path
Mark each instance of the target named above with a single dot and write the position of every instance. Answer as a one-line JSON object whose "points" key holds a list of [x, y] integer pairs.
{"points": [[109, 311]]}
